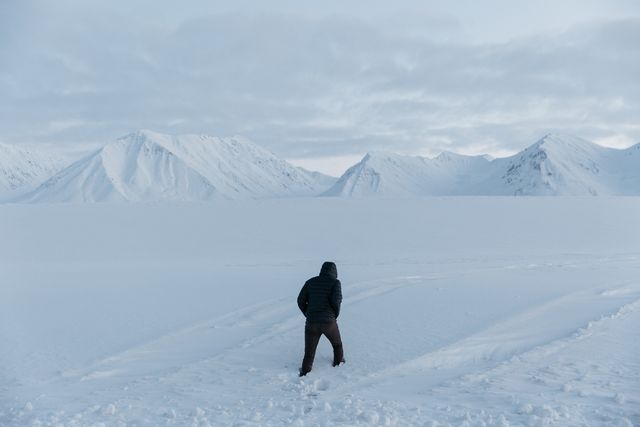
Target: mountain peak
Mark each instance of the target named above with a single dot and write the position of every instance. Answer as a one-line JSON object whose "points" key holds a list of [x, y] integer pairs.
{"points": [[551, 140], [556, 164], [381, 154], [450, 156], [136, 140], [148, 166], [447, 156], [190, 141], [143, 134]]}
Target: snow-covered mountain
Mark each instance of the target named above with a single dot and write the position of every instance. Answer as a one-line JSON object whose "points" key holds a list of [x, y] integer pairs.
{"points": [[22, 169], [149, 166], [563, 166], [389, 174], [556, 165]]}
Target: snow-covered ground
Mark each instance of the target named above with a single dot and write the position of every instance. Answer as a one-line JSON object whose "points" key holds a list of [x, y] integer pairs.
{"points": [[458, 311]]}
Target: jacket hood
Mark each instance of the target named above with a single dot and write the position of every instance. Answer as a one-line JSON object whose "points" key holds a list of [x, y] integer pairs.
{"points": [[329, 269]]}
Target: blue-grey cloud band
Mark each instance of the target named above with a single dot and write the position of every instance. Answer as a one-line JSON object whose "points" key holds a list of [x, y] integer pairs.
{"points": [[312, 86]]}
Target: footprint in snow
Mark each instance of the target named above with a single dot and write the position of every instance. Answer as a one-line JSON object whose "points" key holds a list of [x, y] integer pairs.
{"points": [[321, 385]]}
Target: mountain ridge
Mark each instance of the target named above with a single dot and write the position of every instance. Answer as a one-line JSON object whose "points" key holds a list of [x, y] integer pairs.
{"points": [[555, 165], [150, 166], [23, 168]]}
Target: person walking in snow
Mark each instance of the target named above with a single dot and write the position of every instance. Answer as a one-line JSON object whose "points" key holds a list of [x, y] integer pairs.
{"points": [[319, 300]]}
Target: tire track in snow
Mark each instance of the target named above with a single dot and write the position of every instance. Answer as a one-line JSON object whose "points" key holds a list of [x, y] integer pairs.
{"points": [[279, 315], [512, 338], [587, 378], [294, 321], [388, 285], [322, 390], [267, 311]]}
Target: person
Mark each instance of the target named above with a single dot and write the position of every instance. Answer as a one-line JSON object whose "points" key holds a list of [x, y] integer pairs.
{"points": [[319, 300]]}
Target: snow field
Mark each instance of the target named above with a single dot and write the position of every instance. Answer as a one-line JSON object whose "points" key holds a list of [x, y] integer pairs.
{"points": [[457, 311]]}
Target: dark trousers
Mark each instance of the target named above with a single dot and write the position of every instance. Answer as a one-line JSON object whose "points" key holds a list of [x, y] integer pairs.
{"points": [[312, 334]]}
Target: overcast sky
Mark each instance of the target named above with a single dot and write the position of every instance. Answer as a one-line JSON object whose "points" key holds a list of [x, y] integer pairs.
{"points": [[322, 83]]}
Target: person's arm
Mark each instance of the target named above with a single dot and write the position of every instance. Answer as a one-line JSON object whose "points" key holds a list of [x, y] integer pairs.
{"points": [[336, 298], [303, 300]]}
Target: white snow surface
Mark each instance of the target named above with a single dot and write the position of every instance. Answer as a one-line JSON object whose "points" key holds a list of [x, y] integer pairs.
{"points": [[556, 165], [22, 168], [150, 166], [459, 311]]}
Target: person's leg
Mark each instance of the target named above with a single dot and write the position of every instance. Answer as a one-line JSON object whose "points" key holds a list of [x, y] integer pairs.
{"points": [[311, 338], [332, 332]]}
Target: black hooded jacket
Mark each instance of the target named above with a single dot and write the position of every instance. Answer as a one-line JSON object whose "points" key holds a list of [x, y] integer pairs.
{"points": [[321, 296]]}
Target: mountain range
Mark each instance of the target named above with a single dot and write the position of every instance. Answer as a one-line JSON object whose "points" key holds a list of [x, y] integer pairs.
{"points": [[147, 166], [556, 165]]}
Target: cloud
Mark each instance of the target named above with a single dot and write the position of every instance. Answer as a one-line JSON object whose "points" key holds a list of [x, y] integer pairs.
{"points": [[314, 85]]}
